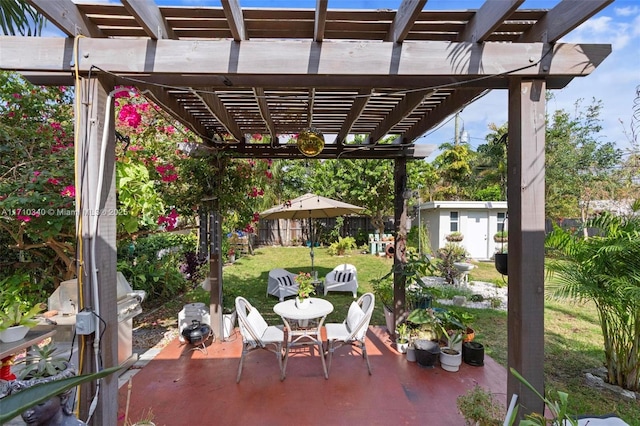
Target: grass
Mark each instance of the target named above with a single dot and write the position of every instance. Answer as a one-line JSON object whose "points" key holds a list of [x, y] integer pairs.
{"points": [[573, 340]]}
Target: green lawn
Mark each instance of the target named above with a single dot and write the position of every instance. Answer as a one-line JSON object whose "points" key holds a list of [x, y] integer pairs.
{"points": [[573, 341]]}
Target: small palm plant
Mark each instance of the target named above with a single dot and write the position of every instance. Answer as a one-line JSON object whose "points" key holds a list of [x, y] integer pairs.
{"points": [[605, 269]]}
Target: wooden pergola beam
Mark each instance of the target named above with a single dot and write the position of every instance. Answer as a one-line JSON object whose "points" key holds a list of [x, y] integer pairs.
{"points": [[406, 16], [356, 109], [216, 107], [261, 99], [410, 102], [234, 16], [320, 20], [305, 60], [489, 17], [562, 19], [451, 105], [65, 15], [177, 111], [148, 15]]}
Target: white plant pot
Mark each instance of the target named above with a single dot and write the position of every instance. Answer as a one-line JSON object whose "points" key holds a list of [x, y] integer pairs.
{"points": [[13, 334], [402, 347], [302, 303], [450, 361]]}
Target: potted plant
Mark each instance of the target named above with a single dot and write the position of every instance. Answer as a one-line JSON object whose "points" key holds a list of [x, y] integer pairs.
{"points": [[451, 355], [383, 291], [429, 333], [500, 259], [42, 366], [402, 338], [17, 319], [454, 237], [305, 289], [501, 236], [231, 255], [479, 407]]}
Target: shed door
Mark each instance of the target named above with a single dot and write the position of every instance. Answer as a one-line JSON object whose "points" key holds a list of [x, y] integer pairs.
{"points": [[475, 240]]}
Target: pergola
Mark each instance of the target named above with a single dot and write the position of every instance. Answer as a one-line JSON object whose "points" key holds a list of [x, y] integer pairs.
{"points": [[228, 72]]}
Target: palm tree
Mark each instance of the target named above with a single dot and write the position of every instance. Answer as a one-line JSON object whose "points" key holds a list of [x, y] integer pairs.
{"points": [[605, 269], [18, 17]]}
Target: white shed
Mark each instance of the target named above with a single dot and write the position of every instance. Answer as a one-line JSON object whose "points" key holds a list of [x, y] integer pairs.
{"points": [[477, 221]]}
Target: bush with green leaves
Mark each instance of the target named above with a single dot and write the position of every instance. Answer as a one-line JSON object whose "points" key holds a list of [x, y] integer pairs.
{"points": [[341, 246], [478, 406], [447, 256]]}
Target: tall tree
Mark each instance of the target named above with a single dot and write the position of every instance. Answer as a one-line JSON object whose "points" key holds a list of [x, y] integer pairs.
{"points": [[490, 165], [454, 167], [579, 166]]}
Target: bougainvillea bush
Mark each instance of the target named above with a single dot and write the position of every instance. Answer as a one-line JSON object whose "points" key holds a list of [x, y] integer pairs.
{"points": [[37, 192]]}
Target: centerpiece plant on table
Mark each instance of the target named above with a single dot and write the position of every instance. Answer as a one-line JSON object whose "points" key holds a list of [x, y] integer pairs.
{"points": [[305, 289]]}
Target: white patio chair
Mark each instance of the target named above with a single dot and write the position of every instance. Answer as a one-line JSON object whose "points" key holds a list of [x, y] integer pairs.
{"points": [[343, 278], [282, 284], [353, 330], [257, 334]]}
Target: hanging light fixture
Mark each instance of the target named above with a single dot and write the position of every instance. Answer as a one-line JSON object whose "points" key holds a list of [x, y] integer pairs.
{"points": [[310, 141]]}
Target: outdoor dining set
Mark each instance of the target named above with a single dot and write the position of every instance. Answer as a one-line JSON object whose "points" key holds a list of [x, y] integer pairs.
{"points": [[303, 325]]}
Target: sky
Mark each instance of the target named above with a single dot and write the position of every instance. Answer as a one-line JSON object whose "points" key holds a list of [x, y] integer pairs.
{"points": [[615, 82]]}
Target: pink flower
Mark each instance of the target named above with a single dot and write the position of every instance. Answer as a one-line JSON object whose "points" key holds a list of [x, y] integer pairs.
{"points": [[17, 96], [169, 220], [53, 181], [135, 148], [130, 116], [169, 178], [37, 173], [68, 191], [24, 218]]}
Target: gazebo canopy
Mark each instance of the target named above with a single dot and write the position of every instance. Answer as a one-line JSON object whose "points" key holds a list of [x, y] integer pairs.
{"points": [[230, 72]]}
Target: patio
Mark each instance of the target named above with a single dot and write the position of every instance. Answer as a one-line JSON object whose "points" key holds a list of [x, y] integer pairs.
{"points": [[186, 387]]}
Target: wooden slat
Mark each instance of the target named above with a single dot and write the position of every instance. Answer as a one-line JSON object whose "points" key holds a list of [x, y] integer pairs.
{"points": [[490, 15], [357, 107], [402, 109], [405, 17], [216, 107], [261, 99], [65, 15], [563, 18], [450, 106], [169, 104], [233, 12], [149, 17]]}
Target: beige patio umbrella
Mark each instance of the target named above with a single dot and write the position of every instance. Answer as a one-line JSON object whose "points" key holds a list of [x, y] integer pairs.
{"points": [[310, 206]]}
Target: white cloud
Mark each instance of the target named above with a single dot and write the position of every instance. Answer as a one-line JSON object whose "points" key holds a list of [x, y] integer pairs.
{"points": [[627, 11]]}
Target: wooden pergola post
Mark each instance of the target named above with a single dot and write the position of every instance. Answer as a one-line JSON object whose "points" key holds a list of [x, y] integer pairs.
{"points": [[97, 269], [525, 195], [400, 240]]}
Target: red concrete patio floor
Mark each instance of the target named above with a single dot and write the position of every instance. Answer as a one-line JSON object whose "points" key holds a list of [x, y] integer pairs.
{"points": [[188, 387]]}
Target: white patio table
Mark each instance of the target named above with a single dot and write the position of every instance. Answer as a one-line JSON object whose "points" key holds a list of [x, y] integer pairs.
{"points": [[304, 326]]}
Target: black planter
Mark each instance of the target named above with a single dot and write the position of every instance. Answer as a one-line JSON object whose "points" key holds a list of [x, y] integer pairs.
{"points": [[501, 262], [473, 353], [427, 352]]}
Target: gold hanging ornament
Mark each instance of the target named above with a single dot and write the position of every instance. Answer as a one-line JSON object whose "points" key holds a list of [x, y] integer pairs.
{"points": [[310, 141]]}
